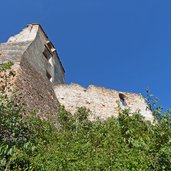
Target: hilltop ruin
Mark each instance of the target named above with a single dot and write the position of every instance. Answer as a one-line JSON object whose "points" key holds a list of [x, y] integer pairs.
{"points": [[37, 78]]}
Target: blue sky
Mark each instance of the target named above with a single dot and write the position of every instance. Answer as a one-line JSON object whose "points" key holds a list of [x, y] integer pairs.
{"points": [[118, 44]]}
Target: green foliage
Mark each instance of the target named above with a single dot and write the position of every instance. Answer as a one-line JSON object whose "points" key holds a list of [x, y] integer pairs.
{"points": [[122, 144], [20, 136], [152, 105], [6, 66]]}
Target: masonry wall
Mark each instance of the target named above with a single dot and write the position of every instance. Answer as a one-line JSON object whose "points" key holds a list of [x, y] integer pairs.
{"points": [[103, 103], [12, 51], [48, 65], [34, 91], [33, 43], [55, 68]]}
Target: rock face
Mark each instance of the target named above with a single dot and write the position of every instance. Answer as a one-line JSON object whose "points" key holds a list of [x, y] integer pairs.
{"points": [[37, 78], [103, 103]]}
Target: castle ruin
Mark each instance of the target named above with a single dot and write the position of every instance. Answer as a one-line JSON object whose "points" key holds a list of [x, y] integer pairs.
{"points": [[39, 84]]}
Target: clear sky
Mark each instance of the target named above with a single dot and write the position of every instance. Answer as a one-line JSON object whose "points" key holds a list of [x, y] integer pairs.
{"points": [[118, 44]]}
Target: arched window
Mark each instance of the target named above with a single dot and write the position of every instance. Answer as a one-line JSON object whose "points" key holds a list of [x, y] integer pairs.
{"points": [[122, 98]]}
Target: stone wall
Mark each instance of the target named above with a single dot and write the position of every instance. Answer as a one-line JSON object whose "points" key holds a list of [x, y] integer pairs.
{"points": [[47, 64], [33, 44], [7, 80], [34, 91], [12, 51], [29, 88], [103, 103]]}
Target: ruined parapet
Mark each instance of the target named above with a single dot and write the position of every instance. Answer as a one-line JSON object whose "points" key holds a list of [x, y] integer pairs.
{"points": [[103, 103], [36, 66]]}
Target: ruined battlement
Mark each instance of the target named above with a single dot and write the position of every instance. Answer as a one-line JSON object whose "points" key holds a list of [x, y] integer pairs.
{"points": [[39, 80], [102, 102]]}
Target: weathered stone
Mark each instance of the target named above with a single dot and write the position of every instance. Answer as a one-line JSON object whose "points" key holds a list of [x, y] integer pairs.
{"points": [[103, 103]]}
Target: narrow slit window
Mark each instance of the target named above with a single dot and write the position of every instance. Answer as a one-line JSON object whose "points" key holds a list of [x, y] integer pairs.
{"points": [[47, 54], [50, 46], [49, 76], [122, 99]]}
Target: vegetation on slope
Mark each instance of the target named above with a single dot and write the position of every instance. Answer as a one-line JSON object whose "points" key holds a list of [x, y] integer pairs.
{"points": [[122, 144]]}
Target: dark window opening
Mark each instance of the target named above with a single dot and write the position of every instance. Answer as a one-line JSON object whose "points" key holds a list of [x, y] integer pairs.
{"points": [[122, 99], [50, 46], [49, 76], [47, 54]]}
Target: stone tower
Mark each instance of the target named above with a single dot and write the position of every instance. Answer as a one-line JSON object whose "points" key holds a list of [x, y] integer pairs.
{"points": [[36, 66]]}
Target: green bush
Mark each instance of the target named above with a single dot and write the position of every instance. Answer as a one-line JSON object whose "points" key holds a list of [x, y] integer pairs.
{"points": [[122, 144], [6, 66], [20, 136]]}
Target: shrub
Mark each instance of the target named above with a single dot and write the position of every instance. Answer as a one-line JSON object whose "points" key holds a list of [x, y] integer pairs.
{"points": [[19, 136], [124, 143]]}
